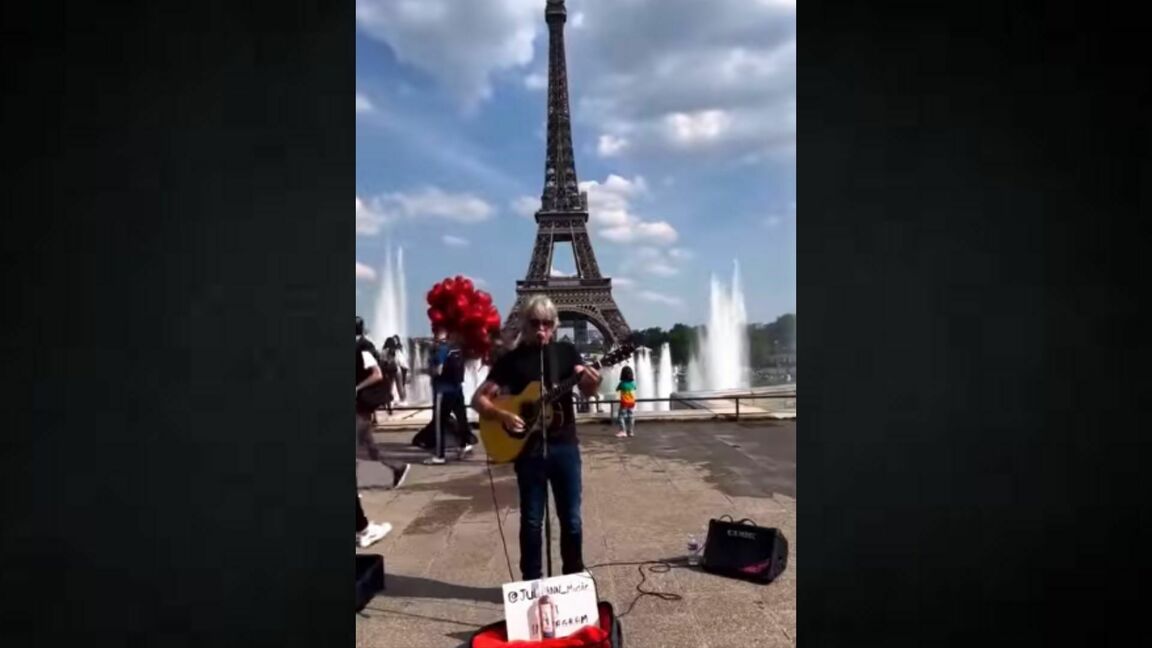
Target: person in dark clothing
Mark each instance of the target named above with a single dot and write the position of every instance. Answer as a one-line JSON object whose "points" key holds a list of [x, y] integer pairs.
{"points": [[447, 369], [389, 376], [395, 366], [532, 357], [368, 373]]}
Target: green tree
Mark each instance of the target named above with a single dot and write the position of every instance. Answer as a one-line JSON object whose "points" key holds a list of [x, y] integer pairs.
{"points": [[765, 341], [681, 342]]}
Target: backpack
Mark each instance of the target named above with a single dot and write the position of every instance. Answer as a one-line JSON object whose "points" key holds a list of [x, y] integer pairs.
{"points": [[374, 396], [364, 344]]}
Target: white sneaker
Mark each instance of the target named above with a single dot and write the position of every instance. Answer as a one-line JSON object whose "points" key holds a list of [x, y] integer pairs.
{"points": [[465, 451], [435, 461], [399, 477], [372, 534]]}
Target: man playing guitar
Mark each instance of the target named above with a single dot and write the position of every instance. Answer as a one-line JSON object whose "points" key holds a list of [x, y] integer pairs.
{"points": [[535, 356]]}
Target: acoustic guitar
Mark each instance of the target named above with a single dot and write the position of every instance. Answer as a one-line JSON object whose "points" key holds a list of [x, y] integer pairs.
{"points": [[503, 445]]}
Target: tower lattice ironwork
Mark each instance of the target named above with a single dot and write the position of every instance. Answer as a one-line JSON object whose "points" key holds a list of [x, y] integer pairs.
{"points": [[563, 215]]}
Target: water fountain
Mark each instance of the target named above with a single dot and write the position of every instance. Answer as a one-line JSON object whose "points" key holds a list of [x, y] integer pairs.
{"points": [[391, 313], [645, 378], [420, 389], [720, 363], [722, 360], [695, 375], [390, 317], [665, 381]]}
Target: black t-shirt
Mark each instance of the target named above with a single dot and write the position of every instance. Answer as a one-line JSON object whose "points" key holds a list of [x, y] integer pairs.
{"points": [[521, 366]]}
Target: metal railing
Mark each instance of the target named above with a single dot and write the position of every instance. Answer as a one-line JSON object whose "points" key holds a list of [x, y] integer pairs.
{"points": [[583, 406]]}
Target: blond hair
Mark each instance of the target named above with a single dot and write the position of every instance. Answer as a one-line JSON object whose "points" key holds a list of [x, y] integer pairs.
{"points": [[540, 306]]}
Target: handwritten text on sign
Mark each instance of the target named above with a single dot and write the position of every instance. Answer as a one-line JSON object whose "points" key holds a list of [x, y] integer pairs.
{"points": [[570, 604]]}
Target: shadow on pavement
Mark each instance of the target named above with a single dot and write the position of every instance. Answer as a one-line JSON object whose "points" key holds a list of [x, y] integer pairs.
{"points": [[417, 587], [464, 636]]}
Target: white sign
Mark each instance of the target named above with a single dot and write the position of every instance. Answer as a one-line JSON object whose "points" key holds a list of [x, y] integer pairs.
{"points": [[550, 607]]}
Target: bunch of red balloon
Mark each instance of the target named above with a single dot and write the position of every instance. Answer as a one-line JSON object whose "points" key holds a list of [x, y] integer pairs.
{"points": [[455, 305]]}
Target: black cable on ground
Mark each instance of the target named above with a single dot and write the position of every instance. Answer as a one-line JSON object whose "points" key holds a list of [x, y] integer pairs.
{"points": [[499, 520], [654, 567]]}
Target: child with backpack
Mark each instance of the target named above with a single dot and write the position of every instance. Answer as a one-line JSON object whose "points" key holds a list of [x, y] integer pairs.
{"points": [[626, 389]]}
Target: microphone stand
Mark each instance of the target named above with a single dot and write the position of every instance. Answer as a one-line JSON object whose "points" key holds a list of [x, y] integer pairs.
{"points": [[544, 440]]}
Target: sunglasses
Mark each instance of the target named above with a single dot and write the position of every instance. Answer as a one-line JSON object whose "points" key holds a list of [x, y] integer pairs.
{"points": [[539, 323]]}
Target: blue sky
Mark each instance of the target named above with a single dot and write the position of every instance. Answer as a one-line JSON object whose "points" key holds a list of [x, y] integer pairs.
{"points": [[683, 125]]}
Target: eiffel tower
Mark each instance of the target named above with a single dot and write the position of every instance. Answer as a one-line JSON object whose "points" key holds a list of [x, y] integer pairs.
{"points": [[563, 218]]}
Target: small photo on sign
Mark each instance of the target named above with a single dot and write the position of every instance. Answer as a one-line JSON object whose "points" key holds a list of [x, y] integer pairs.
{"points": [[550, 607]]}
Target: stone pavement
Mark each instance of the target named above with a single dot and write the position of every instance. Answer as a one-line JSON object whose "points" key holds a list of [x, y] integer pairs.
{"points": [[642, 497]]}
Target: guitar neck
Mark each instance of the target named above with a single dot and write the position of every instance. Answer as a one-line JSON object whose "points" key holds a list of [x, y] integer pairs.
{"points": [[566, 385]]}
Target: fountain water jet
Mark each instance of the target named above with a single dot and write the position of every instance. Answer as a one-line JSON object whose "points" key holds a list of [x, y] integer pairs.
{"points": [[722, 359], [390, 317], [665, 381], [420, 389], [645, 378], [695, 375], [402, 297]]}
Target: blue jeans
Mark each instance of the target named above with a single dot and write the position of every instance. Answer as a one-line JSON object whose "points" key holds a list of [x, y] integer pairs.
{"points": [[627, 420], [533, 472]]}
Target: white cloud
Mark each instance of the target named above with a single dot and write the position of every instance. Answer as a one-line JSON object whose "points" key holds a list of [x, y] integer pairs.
{"points": [[639, 232], [364, 272], [775, 220], [624, 283], [715, 77], [432, 202], [609, 201], [610, 145], [427, 34], [435, 203], [560, 273], [664, 75], [370, 218], [526, 206], [426, 203], [455, 241], [660, 298], [363, 104], [656, 262], [610, 205], [479, 282], [697, 128]]}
